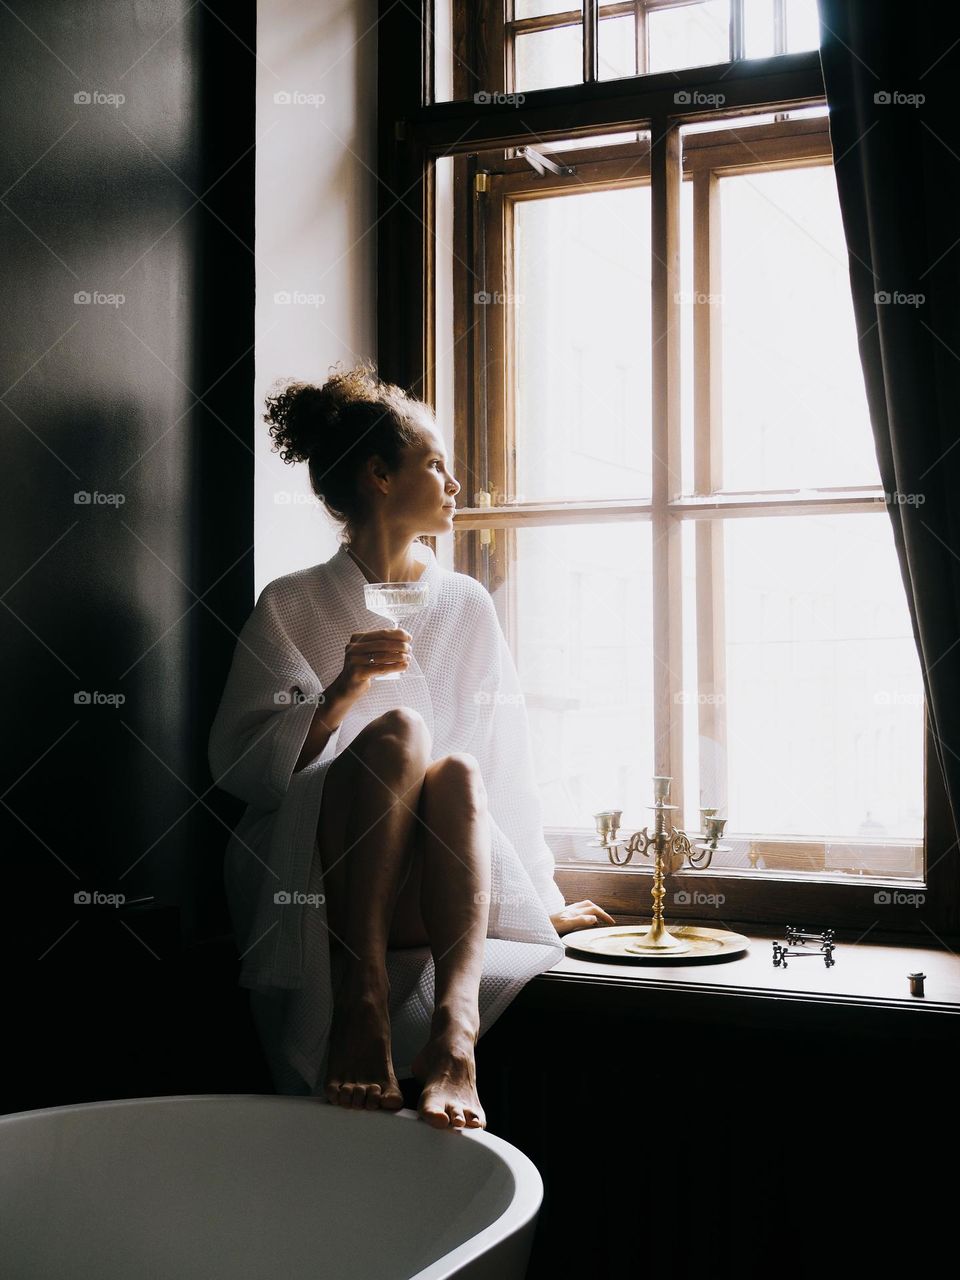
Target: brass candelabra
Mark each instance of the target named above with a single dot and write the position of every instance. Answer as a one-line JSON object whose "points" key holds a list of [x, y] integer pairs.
{"points": [[672, 848]]}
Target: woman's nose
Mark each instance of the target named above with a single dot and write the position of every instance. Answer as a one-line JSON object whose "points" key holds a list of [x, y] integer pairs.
{"points": [[454, 485]]}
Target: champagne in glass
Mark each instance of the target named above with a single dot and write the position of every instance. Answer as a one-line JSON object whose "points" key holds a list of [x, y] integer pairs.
{"points": [[396, 601]]}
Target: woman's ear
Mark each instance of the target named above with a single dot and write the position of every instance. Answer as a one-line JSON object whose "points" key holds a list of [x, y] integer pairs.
{"points": [[376, 473]]}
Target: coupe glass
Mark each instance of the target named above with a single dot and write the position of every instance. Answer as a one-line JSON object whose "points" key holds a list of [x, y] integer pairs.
{"points": [[396, 601]]}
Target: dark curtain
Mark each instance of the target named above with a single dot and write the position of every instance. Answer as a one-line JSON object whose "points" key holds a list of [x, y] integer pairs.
{"points": [[892, 77]]}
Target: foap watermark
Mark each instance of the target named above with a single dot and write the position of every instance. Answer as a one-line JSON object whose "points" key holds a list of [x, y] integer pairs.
{"points": [[897, 98], [691, 297], [297, 698], [297, 898], [488, 298], [898, 898], [297, 298], [485, 98], [94, 298], [896, 298], [696, 898], [84, 698], [84, 498], [701, 699], [287, 498], [897, 698], [96, 898], [484, 698], [694, 98], [898, 499], [499, 498], [297, 98], [499, 899], [97, 98]]}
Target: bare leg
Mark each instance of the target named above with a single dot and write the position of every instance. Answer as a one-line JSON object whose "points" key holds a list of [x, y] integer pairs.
{"points": [[454, 904], [369, 808]]}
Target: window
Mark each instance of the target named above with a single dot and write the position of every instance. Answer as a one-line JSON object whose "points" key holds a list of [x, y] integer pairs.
{"points": [[637, 317]]}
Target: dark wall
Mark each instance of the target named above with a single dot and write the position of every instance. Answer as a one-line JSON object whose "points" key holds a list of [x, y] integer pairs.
{"points": [[141, 398]]}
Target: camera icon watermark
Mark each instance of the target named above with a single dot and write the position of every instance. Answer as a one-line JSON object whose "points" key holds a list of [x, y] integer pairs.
{"points": [[897, 298], [898, 898], [297, 898], [686, 898], [896, 98], [298, 298], [95, 97], [484, 698], [95, 298], [95, 898], [295, 697], [83, 498], [694, 98], [297, 98], [82, 698], [485, 98]]}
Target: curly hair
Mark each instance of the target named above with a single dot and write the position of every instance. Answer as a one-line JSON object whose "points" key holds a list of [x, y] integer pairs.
{"points": [[336, 428]]}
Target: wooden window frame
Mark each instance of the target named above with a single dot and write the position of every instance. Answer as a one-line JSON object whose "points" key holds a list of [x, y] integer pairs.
{"points": [[414, 132]]}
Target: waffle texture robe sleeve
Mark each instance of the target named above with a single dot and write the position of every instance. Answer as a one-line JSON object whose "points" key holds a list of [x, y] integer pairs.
{"points": [[266, 711]]}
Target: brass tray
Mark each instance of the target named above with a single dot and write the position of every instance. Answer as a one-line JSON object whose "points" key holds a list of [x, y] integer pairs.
{"points": [[610, 944]]}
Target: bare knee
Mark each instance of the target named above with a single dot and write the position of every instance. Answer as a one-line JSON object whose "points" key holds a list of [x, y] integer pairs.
{"points": [[396, 742], [457, 778]]}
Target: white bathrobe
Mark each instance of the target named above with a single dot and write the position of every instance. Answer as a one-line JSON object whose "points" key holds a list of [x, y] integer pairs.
{"points": [[463, 681]]}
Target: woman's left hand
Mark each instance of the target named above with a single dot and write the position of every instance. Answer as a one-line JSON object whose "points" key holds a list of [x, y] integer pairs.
{"points": [[580, 915]]}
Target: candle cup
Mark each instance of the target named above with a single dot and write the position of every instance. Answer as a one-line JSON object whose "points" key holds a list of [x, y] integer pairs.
{"points": [[607, 820], [714, 828], [661, 787]]}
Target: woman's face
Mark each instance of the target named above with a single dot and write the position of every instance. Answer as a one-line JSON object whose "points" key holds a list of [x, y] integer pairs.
{"points": [[422, 489]]}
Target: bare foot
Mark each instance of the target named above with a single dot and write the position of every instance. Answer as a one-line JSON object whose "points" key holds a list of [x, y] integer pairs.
{"points": [[360, 1071], [446, 1068]]}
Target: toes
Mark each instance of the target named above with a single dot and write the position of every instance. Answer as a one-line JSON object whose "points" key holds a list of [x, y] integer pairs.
{"points": [[435, 1118], [391, 1101], [456, 1116], [373, 1102]]}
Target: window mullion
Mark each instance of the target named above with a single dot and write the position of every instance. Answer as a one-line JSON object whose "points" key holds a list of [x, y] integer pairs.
{"points": [[591, 37], [665, 179], [708, 478]]}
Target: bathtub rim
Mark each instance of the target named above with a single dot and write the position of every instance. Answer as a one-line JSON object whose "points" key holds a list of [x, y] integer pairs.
{"points": [[524, 1205]]}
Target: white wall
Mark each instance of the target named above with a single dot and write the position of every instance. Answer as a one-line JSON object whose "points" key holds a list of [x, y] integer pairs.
{"points": [[315, 235]]}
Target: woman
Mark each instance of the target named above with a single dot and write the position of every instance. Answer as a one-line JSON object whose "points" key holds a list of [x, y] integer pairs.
{"points": [[391, 857]]}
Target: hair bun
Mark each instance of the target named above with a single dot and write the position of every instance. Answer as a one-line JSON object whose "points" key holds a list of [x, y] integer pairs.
{"points": [[303, 417]]}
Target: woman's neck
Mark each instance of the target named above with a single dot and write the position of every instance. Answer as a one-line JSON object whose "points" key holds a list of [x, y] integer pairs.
{"points": [[384, 559]]}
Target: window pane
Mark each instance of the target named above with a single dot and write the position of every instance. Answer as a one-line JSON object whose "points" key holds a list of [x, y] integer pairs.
{"points": [[546, 59], [539, 8], [823, 696], [758, 28], [583, 360], [617, 49], [443, 50], [688, 301], [691, 35], [794, 405], [803, 26], [580, 620]]}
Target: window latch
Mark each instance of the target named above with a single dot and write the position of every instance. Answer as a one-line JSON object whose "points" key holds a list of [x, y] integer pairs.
{"points": [[484, 499], [537, 160]]}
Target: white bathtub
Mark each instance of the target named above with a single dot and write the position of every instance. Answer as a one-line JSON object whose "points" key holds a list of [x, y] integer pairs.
{"points": [[211, 1187]]}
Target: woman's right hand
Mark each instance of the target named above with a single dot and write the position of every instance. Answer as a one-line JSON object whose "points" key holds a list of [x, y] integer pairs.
{"points": [[389, 648]]}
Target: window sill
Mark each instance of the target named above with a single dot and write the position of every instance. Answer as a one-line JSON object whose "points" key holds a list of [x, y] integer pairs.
{"points": [[865, 992]]}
